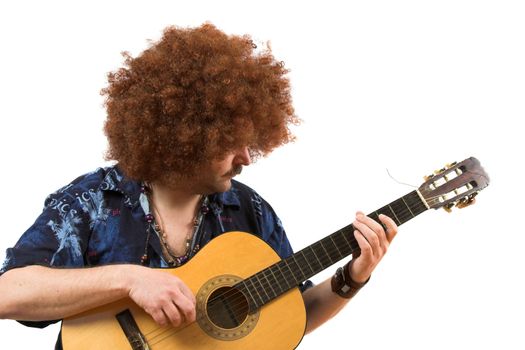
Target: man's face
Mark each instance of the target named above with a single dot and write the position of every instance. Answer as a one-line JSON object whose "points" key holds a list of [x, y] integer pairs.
{"points": [[217, 176]]}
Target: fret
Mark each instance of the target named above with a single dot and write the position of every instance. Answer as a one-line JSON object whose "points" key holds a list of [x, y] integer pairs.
{"points": [[324, 249], [269, 283], [349, 231], [316, 258], [256, 291], [278, 278], [251, 299], [298, 267], [308, 262], [336, 247], [285, 262], [401, 211], [386, 210], [304, 265], [284, 277], [343, 247], [263, 289], [344, 234], [375, 216], [320, 254], [408, 207], [394, 214]]}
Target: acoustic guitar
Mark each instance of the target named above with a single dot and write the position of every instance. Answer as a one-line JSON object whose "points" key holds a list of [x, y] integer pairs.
{"points": [[250, 299]]}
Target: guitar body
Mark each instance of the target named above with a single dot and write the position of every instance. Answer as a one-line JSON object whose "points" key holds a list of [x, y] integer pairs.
{"points": [[224, 261]]}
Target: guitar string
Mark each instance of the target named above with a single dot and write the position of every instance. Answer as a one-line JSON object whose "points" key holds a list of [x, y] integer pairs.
{"points": [[403, 213], [237, 301], [171, 332], [240, 299], [279, 279], [309, 256]]}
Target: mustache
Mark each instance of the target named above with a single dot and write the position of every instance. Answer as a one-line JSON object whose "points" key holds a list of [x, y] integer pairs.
{"points": [[235, 171]]}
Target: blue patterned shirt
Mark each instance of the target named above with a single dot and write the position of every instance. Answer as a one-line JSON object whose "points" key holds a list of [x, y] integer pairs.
{"points": [[98, 219]]}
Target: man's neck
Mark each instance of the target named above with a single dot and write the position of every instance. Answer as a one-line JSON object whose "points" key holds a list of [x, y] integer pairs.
{"points": [[174, 199]]}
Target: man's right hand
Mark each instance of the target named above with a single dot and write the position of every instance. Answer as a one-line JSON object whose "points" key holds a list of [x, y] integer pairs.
{"points": [[163, 296]]}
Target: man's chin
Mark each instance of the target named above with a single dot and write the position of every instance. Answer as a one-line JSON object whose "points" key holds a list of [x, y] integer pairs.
{"points": [[220, 187], [226, 185]]}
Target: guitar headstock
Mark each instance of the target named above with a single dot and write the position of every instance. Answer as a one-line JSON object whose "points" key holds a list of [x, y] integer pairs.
{"points": [[455, 185]]}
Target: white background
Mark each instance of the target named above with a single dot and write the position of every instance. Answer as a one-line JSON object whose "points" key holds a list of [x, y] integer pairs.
{"points": [[400, 85]]}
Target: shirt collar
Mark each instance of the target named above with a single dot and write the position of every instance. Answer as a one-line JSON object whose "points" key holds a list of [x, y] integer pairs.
{"points": [[115, 180], [228, 198]]}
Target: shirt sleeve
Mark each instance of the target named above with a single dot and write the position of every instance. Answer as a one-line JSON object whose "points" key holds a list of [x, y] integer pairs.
{"points": [[58, 237]]}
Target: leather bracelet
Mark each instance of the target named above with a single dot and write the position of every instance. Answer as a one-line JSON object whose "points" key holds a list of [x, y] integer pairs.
{"points": [[343, 285]]}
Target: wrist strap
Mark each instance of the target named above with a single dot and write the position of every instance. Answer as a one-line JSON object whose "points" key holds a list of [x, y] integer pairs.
{"points": [[342, 283]]}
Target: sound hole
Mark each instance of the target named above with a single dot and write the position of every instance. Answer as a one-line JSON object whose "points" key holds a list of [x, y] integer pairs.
{"points": [[227, 307]]}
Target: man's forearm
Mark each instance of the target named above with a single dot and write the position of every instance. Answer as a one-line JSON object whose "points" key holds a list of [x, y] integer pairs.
{"points": [[36, 293], [321, 304]]}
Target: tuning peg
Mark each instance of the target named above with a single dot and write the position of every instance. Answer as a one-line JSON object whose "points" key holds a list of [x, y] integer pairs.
{"points": [[448, 207], [450, 165], [465, 202], [439, 171], [428, 177]]}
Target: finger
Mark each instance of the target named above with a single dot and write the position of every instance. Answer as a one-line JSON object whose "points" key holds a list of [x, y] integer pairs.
{"points": [[159, 317], [366, 251], [370, 236], [173, 314], [186, 291], [186, 307], [377, 227], [391, 227]]}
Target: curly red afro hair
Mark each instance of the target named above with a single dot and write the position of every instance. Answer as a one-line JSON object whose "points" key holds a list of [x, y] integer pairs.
{"points": [[190, 98]]}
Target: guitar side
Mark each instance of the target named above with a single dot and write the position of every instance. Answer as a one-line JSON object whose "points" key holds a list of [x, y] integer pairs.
{"points": [[279, 324]]}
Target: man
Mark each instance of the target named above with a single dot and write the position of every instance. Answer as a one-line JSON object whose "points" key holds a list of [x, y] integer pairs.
{"points": [[184, 117]]}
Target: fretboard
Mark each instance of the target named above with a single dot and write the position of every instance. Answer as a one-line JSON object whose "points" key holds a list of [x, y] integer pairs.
{"points": [[280, 277]]}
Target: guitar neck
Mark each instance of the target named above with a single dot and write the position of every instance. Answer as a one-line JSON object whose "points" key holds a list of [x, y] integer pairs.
{"points": [[280, 277]]}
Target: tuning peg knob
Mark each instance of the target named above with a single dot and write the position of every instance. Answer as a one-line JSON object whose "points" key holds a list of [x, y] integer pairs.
{"points": [[428, 177], [450, 165], [448, 207], [465, 202]]}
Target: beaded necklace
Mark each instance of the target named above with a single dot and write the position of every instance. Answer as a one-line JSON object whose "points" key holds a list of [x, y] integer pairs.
{"points": [[191, 247]]}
